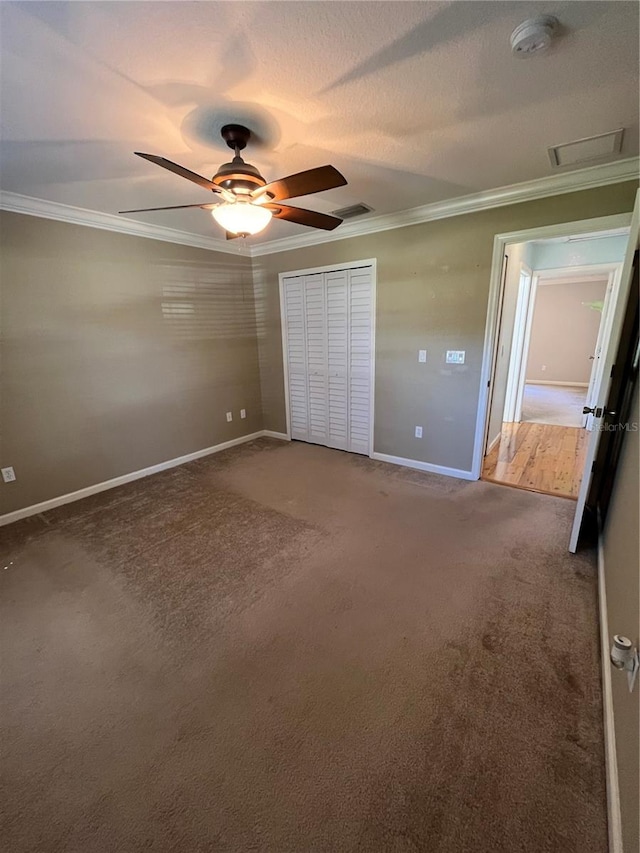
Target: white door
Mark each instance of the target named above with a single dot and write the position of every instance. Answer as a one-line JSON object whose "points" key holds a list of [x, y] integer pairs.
{"points": [[296, 356], [601, 391], [360, 358], [337, 285], [316, 323], [519, 346], [604, 332], [328, 335], [524, 358], [306, 335]]}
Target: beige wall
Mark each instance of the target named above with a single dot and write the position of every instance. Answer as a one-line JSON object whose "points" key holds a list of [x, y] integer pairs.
{"points": [[121, 352], [621, 542], [118, 353], [564, 332], [433, 285]]}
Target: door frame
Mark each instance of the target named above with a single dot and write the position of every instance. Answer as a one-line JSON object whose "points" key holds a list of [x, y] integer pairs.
{"points": [[348, 265], [500, 242]]}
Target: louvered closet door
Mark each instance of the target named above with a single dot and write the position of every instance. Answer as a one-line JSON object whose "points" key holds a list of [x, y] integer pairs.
{"points": [[328, 323], [294, 305], [316, 322], [360, 358], [337, 290]]}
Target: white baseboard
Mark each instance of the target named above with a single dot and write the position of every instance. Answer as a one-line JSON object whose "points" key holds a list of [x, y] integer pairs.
{"points": [[493, 443], [268, 433], [52, 503], [424, 466], [614, 818], [553, 382]]}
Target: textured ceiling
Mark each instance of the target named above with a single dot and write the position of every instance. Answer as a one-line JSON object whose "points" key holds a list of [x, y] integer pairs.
{"points": [[414, 102]]}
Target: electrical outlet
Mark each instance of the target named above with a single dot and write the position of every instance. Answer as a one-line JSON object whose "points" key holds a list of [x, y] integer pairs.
{"points": [[418, 432], [422, 356], [455, 356], [8, 475], [544, 367], [229, 416], [243, 413]]}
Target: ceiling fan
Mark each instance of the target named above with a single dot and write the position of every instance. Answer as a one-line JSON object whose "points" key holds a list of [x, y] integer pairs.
{"points": [[247, 201]]}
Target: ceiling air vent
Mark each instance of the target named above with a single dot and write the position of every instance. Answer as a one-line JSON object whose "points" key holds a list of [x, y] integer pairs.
{"points": [[586, 150], [353, 210]]}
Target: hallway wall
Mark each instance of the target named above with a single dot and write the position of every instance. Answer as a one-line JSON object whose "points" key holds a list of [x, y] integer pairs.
{"points": [[517, 254], [553, 254], [564, 332]]}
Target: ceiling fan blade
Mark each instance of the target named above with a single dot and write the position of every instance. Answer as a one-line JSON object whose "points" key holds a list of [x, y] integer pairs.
{"points": [[304, 217], [303, 183], [172, 207], [180, 170]]}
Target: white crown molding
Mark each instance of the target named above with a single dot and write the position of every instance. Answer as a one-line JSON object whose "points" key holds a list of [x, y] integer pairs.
{"points": [[559, 184], [17, 203]]}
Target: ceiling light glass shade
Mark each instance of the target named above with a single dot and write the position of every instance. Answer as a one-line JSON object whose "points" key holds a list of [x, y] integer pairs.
{"points": [[241, 217]]}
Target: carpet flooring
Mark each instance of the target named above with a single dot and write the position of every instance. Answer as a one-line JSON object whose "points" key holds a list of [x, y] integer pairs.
{"points": [[287, 648], [560, 405]]}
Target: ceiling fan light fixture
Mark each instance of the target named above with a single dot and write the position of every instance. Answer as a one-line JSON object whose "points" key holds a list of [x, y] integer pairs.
{"points": [[242, 217]]}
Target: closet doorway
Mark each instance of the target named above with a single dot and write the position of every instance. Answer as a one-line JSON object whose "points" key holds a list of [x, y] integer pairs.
{"points": [[328, 344]]}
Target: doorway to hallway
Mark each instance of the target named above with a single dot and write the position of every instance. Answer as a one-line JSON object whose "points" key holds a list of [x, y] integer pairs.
{"points": [[556, 302]]}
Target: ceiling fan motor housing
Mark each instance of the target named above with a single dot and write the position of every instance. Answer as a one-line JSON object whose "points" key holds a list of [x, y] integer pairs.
{"points": [[237, 175]]}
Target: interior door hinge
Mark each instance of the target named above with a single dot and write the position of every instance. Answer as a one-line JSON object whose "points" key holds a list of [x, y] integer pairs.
{"points": [[593, 468], [613, 367]]}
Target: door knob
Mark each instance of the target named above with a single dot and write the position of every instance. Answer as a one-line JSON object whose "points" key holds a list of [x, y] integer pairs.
{"points": [[597, 412]]}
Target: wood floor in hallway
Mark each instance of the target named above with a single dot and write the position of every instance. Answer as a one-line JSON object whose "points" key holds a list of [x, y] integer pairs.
{"points": [[539, 457]]}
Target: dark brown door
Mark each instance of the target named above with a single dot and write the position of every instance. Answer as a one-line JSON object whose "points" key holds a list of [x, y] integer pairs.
{"points": [[618, 418]]}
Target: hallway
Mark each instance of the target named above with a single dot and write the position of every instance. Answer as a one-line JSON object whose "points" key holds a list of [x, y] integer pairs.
{"points": [[560, 405], [538, 457]]}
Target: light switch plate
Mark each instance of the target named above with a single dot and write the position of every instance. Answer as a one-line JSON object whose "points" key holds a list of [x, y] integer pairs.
{"points": [[418, 432], [8, 475], [229, 416], [455, 356], [422, 355], [243, 413]]}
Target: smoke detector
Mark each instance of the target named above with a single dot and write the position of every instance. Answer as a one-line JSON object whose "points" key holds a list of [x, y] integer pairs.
{"points": [[534, 35]]}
